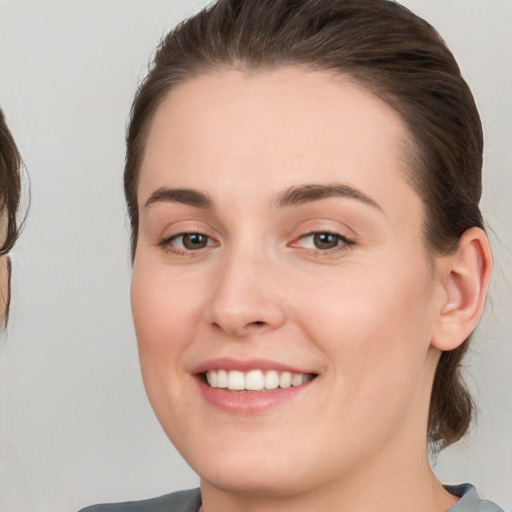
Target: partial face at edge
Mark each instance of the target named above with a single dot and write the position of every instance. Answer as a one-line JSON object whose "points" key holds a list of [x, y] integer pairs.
{"points": [[299, 251], [4, 287], [4, 271]]}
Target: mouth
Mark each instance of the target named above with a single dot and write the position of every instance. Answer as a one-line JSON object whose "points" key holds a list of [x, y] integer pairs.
{"points": [[251, 387], [255, 380]]}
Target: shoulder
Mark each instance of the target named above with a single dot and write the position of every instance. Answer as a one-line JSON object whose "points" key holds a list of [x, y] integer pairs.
{"points": [[182, 501], [469, 500]]}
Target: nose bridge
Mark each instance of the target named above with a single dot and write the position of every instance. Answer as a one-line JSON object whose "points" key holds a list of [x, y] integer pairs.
{"points": [[245, 299]]}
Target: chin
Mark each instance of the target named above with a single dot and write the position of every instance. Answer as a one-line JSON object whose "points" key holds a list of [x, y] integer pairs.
{"points": [[245, 467], [247, 479]]}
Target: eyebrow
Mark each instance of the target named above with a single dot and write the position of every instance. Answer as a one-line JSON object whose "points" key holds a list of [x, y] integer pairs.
{"points": [[186, 196], [295, 196]]}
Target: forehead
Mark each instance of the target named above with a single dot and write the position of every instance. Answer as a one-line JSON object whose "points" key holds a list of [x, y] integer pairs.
{"points": [[240, 131]]}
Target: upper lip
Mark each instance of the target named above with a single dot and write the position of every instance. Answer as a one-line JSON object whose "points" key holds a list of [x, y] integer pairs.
{"points": [[245, 366]]}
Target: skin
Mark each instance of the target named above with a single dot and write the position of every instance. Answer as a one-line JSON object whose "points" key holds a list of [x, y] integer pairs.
{"points": [[4, 277], [4, 269], [367, 316]]}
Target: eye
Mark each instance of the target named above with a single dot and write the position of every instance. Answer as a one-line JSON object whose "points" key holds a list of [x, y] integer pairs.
{"points": [[185, 242], [324, 241]]}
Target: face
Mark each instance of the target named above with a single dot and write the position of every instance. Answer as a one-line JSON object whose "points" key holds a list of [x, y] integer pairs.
{"points": [[282, 296]]}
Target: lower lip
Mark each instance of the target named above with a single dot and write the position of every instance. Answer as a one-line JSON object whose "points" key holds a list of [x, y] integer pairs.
{"points": [[249, 402]]}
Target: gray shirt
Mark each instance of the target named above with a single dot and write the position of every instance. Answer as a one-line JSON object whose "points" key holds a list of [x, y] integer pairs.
{"points": [[190, 501], [469, 500], [182, 501]]}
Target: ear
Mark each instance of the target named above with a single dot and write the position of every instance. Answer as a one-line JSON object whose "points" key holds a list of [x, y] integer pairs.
{"points": [[464, 277]]}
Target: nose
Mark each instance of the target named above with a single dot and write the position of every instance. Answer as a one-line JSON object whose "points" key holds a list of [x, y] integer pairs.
{"points": [[246, 298]]}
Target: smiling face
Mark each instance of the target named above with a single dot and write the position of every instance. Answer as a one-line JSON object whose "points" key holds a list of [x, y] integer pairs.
{"points": [[280, 253]]}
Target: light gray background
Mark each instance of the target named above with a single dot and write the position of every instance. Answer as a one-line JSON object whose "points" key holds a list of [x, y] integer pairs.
{"points": [[75, 425]]}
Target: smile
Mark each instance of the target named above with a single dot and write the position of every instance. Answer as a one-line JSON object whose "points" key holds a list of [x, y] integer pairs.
{"points": [[255, 380]]}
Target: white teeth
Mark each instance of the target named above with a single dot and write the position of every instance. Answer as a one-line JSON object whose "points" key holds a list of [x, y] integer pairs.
{"points": [[222, 379], [212, 379], [255, 380], [285, 380], [271, 380], [298, 379], [236, 380]]}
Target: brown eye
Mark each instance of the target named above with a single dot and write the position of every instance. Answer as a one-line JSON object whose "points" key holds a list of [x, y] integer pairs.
{"points": [[326, 240], [186, 243], [194, 241]]}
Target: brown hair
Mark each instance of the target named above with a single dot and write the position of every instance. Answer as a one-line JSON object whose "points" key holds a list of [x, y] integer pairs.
{"points": [[386, 49], [10, 192]]}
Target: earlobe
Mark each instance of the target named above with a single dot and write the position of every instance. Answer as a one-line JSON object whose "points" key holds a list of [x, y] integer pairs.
{"points": [[464, 276]]}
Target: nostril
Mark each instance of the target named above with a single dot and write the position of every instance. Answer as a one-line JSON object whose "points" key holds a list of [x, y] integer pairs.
{"points": [[257, 323]]}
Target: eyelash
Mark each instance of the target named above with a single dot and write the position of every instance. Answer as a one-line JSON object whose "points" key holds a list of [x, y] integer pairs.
{"points": [[343, 243]]}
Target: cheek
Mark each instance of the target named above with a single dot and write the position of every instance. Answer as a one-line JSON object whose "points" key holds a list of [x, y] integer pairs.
{"points": [[374, 332], [166, 315], [373, 322], [164, 307]]}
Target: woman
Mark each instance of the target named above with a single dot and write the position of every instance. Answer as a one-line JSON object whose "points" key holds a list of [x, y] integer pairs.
{"points": [[10, 191], [303, 181]]}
